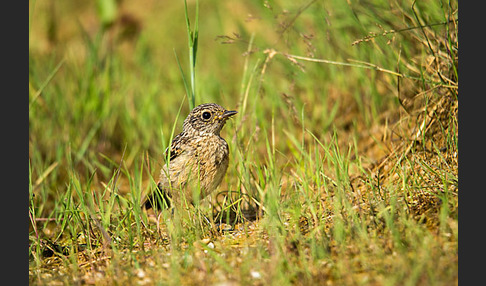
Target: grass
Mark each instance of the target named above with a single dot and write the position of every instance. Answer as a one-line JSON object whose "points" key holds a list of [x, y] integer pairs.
{"points": [[343, 163]]}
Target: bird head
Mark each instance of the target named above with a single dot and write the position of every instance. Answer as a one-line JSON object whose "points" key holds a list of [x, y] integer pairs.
{"points": [[208, 118]]}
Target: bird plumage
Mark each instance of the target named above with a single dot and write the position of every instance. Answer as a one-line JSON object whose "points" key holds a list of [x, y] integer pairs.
{"points": [[199, 156]]}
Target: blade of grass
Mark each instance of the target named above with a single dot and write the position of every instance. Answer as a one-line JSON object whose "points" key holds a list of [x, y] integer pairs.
{"points": [[46, 82], [193, 39], [186, 86]]}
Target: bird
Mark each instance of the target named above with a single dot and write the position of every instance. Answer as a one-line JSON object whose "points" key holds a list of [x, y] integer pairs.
{"points": [[198, 158]]}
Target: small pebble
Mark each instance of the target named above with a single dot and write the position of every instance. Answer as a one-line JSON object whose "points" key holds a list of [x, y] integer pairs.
{"points": [[255, 274]]}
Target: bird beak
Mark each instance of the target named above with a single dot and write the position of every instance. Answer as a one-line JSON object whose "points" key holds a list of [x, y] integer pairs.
{"points": [[227, 114]]}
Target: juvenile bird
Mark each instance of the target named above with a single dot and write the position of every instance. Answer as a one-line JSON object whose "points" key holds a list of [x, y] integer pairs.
{"points": [[198, 158]]}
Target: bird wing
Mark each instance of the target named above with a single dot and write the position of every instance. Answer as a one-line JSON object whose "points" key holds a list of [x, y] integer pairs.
{"points": [[176, 147]]}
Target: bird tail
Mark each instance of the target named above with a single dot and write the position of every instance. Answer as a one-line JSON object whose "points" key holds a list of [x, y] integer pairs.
{"points": [[158, 199]]}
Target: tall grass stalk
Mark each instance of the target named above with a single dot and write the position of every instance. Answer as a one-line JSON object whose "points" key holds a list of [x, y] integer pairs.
{"points": [[192, 41]]}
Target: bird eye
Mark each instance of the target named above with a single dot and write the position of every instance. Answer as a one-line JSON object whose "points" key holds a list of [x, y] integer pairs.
{"points": [[206, 115]]}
